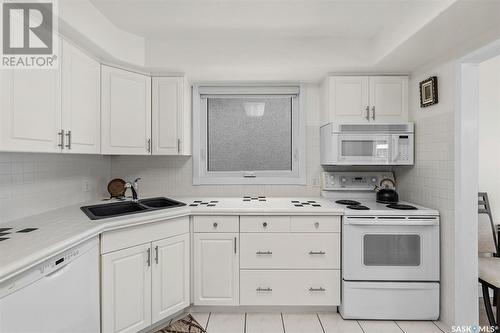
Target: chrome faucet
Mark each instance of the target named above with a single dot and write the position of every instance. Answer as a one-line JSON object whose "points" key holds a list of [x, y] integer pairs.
{"points": [[134, 188]]}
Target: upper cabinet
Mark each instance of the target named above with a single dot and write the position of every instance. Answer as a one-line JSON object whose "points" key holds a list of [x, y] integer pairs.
{"points": [[30, 113], [171, 120], [125, 112], [52, 110], [81, 116], [144, 116], [361, 99]]}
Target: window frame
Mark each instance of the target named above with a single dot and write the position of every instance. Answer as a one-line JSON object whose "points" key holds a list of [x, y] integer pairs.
{"points": [[201, 175]]}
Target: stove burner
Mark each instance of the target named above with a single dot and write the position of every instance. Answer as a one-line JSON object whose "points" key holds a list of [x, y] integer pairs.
{"points": [[358, 207], [401, 207], [348, 202]]}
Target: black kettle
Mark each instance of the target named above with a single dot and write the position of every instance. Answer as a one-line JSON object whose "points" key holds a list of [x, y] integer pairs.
{"points": [[385, 193]]}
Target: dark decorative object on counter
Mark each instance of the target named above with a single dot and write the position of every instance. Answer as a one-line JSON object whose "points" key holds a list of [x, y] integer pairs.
{"points": [[428, 92]]}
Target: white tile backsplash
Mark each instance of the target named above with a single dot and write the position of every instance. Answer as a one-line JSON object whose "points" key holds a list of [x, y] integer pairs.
{"points": [[173, 175], [35, 183]]}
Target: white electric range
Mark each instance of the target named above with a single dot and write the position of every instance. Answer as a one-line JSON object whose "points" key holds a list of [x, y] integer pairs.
{"points": [[390, 253]]}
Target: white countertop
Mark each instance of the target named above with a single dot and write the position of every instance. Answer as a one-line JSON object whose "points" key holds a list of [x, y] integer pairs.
{"points": [[63, 228]]}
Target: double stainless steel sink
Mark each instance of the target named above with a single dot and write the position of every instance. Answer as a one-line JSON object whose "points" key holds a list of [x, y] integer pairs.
{"points": [[103, 211]]}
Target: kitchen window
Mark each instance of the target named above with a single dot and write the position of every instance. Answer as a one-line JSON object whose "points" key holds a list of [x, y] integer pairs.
{"points": [[248, 135]]}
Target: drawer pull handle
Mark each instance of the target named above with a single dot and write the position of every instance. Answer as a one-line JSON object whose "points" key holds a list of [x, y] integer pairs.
{"points": [[264, 224], [317, 289], [316, 225], [264, 252], [260, 289], [215, 224], [317, 252]]}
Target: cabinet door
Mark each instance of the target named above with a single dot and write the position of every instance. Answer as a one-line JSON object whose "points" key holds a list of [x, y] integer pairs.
{"points": [[389, 98], [81, 101], [216, 269], [125, 112], [170, 276], [30, 110], [126, 290], [348, 98], [168, 115]]}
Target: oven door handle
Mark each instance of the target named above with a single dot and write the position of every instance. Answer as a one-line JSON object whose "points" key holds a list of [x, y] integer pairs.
{"points": [[390, 223]]}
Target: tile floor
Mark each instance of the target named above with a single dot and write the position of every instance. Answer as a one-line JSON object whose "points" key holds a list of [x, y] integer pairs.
{"points": [[216, 322]]}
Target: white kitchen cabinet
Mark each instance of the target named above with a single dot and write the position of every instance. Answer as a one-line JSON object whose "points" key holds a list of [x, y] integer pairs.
{"points": [[170, 276], [347, 98], [30, 110], [53, 110], [388, 98], [145, 274], [81, 101], [125, 112], [126, 289], [216, 269], [290, 287], [171, 120], [362, 99]]}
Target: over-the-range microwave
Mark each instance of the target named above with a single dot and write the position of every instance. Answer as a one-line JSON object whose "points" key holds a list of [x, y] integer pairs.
{"points": [[367, 144]]}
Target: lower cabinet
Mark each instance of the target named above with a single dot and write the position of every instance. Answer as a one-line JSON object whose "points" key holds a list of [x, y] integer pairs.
{"points": [[216, 269], [126, 289], [170, 276], [290, 287], [145, 283]]}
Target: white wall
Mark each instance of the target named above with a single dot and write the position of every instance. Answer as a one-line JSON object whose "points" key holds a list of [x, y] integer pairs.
{"points": [[489, 132], [35, 183], [431, 181], [173, 176]]}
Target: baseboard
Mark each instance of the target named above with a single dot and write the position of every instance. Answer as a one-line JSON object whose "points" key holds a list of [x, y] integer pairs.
{"points": [[261, 308]]}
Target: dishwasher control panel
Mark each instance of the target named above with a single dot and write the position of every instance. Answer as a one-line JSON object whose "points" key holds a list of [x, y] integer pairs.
{"points": [[46, 268]]}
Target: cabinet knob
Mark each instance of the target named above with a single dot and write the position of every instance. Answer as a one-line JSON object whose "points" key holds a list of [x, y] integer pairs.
{"points": [[316, 225], [215, 224], [264, 224]]}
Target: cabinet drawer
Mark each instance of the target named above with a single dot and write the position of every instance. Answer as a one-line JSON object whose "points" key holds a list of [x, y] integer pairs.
{"points": [[216, 224], [290, 251], [265, 223], [302, 287], [145, 233], [315, 224]]}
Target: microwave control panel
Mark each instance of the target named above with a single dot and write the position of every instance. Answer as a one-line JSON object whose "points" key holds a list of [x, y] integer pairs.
{"points": [[404, 149]]}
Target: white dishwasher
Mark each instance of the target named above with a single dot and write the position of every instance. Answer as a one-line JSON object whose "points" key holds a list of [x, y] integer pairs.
{"points": [[60, 295]]}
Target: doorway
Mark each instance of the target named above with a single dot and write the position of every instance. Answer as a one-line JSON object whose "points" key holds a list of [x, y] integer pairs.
{"points": [[467, 182]]}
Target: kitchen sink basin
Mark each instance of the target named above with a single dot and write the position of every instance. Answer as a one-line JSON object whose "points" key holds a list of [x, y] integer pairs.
{"points": [[102, 211], [158, 203]]}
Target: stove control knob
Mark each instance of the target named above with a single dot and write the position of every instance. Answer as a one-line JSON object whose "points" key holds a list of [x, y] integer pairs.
{"points": [[343, 180], [374, 180]]}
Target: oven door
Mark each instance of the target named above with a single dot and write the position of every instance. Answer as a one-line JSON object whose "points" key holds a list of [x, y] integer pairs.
{"points": [[390, 248], [364, 149]]}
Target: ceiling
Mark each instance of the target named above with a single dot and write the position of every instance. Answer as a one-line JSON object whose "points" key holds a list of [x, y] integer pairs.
{"points": [[279, 39], [155, 19]]}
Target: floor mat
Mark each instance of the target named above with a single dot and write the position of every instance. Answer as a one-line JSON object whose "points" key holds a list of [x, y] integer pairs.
{"points": [[186, 324]]}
